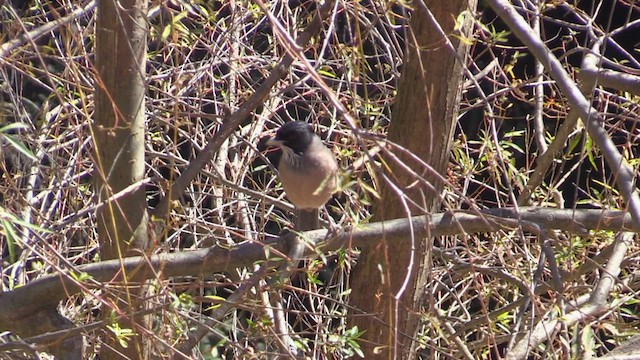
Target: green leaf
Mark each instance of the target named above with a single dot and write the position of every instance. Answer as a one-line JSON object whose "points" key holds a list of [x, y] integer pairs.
{"points": [[5, 215], [19, 146], [83, 276], [12, 238], [122, 334], [327, 71], [217, 301], [12, 126]]}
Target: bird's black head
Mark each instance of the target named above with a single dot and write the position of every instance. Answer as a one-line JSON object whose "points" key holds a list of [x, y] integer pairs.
{"points": [[296, 135]]}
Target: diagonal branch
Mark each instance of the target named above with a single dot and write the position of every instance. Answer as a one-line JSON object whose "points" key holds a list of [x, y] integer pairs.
{"points": [[625, 176], [49, 290], [231, 123], [595, 306], [32, 35]]}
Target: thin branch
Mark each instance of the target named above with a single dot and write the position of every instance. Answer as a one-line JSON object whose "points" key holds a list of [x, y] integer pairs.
{"points": [[625, 175], [32, 35], [595, 306], [234, 120], [231, 302], [48, 290]]}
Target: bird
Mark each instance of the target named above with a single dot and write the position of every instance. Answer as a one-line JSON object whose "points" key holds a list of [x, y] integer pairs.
{"points": [[307, 170]]}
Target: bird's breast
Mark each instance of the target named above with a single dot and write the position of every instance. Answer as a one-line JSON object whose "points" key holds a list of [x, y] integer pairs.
{"points": [[310, 180]]}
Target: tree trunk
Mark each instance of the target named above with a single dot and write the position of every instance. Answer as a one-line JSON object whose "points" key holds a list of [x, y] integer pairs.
{"points": [[423, 123], [121, 39]]}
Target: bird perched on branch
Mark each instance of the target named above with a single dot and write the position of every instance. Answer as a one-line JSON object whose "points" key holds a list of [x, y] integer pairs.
{"points": [[307, 169]]}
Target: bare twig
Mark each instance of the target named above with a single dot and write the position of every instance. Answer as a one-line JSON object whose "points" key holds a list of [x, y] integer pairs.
{"points": [[51, 289], [231, 302], [230, 124], [625, 176], [596, 305], [32, 35]]}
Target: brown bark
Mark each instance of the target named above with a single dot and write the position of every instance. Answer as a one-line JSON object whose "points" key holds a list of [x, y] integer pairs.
{"points": [[423, 123], [121, 37], [46, 292]]}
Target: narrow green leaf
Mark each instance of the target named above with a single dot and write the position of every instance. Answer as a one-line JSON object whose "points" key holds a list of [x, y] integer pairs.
{"points": [[20, 147], [12, 126], [12, 237]]}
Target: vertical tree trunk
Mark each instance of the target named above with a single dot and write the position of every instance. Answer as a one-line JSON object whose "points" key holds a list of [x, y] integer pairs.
{"points": [[423, 123], [121, 39]]}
